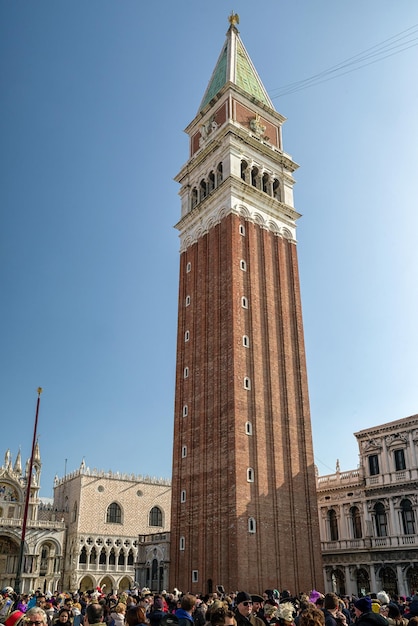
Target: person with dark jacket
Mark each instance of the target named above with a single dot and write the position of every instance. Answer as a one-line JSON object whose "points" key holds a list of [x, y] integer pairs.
{"points": [[365, 616], [244, 609], [157, 611], [332, 613]]}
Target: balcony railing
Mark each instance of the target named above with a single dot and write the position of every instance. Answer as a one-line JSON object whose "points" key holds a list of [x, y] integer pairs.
{"points": [[369, 543], [96, 567], [339, 478], [17, 523]]}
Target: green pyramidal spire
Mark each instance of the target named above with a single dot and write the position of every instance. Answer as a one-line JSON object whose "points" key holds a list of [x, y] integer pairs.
{"points": [[234, 65]]}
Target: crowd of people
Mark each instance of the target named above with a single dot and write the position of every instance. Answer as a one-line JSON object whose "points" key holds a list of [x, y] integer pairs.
{"points": [[95, 608]]}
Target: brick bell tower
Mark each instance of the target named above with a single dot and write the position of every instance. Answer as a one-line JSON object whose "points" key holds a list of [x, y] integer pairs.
{"points": [[244, 510]]}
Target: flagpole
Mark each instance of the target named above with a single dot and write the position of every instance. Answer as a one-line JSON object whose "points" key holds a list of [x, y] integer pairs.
{"points": [[26, 510]]}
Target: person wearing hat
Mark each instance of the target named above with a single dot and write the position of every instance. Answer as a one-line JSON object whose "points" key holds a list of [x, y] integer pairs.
{"points": [[258, 610], [243, 612], [365, 616], [15, 618], [157, 611]]}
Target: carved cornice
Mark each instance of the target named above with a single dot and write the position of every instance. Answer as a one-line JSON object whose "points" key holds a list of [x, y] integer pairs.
{"points": [[371, 444], [396, 438], [375, 492], [405, 423], [256, 207]]}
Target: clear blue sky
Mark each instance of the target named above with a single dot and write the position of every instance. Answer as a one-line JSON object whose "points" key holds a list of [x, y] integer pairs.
{"points": [[94, 99]]}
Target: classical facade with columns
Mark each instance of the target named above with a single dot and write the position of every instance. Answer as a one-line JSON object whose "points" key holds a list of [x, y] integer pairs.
{"points": [[105, 513], [368, 520]]}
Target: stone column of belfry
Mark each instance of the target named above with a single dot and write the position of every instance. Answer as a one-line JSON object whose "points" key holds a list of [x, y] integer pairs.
{"points": [[244, 508]]}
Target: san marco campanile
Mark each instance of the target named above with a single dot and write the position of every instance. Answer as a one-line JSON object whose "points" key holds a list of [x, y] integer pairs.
{"points": [[244, 511]]}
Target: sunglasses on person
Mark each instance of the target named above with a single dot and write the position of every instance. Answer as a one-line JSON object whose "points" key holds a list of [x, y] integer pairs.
{"points": [[247, 603], [34, 622]]}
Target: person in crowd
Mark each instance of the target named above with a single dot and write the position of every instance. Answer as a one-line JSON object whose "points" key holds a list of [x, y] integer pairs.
{"points": [[51, 611], [36, 617], [258, 607], [394, 616], [286, 613], [199, 615], [157, 612], [94, 614], [312, 616], [22, 604], [244, 607], [117, 614], [135, 615], [383, 598], [332, 612], [186, 610], [15, 618], [365, 616], [222, 617], [63, 617]]}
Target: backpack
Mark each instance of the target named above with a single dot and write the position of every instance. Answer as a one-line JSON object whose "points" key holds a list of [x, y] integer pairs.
{"points": [[169, 619]]}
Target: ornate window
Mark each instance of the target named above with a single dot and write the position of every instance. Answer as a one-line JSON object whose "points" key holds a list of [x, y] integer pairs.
{"points": [[244, 171], [195, 197], [102, 557], [244, 302], [408, 518], [250, 475], [220, 173], [247, 383], [380, 520], [114, 514], [248, 428], [93, 556], [266, 183], [333, 525], [276, 190], [399, 458], [245, 341], [373, 465], [83, 555], [155, 516], [211, 182], [356, 522], [251, 525]]}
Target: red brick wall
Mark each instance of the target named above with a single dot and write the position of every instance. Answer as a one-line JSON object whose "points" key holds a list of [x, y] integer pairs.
{"points": [[285, 550]]}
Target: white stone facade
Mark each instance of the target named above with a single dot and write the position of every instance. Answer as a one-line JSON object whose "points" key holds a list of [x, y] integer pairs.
{"points": [[105, 513], [89, 535], [368, 516]]}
